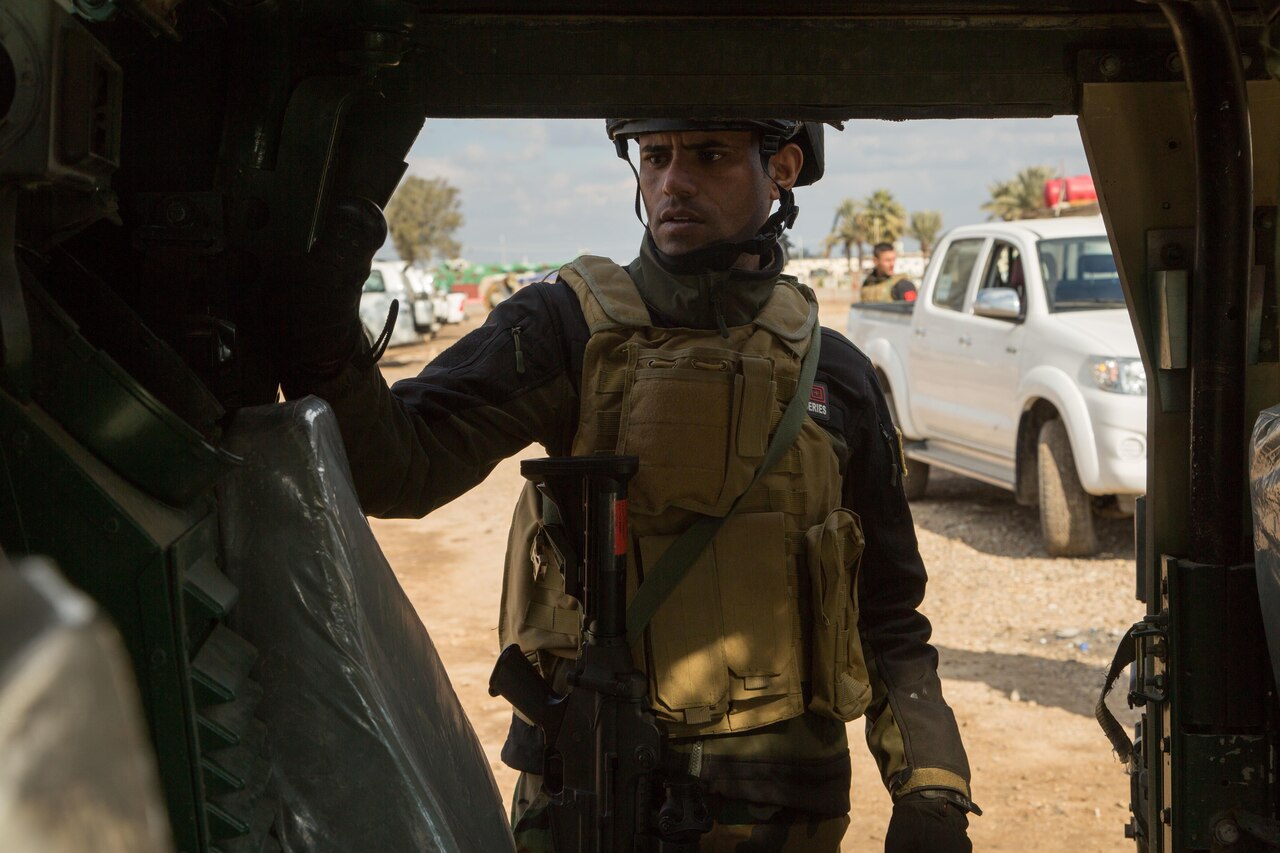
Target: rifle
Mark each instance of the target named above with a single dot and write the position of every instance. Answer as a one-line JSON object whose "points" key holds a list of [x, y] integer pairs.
{"points": [[603, 765]]}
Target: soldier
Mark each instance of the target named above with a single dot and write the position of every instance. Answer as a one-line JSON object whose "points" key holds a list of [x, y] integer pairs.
{"points": [[803, 611], [882, 284]]}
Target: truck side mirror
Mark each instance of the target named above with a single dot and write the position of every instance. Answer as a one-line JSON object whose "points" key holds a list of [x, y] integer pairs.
{"points": [[999, 303]]}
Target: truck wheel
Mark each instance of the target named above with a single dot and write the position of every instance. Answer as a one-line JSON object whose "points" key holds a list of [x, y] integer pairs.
{"points": [[916, 478], [1066, 512]]}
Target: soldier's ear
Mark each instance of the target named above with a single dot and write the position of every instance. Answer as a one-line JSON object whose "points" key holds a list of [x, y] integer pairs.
{"points": [[784, 167]]}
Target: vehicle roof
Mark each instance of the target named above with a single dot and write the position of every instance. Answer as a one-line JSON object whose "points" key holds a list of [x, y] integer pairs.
{"points": [[1038, 229]]}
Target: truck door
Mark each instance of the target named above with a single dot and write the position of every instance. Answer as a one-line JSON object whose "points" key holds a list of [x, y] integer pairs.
{"points": [[938, 359], [988, 412]]}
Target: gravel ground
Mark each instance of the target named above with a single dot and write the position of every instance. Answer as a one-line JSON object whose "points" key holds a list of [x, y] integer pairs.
{"points": [[1023, 639]]}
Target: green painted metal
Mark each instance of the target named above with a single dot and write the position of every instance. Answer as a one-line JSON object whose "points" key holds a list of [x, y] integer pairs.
{"points": [[74, 462]]}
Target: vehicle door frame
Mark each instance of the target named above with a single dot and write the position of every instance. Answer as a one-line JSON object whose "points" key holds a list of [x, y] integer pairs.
{"points": [[934, 348], [988, 408]]}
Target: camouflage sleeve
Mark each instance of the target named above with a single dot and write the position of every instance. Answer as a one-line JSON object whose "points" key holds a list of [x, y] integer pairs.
{"points": [[505, 385], [910, 729]]}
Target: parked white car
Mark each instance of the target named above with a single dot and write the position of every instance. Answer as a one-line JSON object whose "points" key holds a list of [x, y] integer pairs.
{"points": [[447, 307], [1018, 366], [385, 283], [422, 287]]}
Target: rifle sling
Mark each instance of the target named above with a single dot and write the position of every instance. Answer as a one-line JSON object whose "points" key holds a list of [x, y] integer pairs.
{"points": [[676, 561]]}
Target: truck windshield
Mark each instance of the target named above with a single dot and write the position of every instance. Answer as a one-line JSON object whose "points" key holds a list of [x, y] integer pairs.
{"points": [[1080, 274]]}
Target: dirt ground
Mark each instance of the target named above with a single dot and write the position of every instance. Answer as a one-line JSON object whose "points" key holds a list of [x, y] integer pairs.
{"points": [[1024, 640]]}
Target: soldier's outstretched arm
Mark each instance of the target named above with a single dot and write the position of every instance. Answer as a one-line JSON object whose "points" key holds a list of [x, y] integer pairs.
{"points": [[423, 442]]}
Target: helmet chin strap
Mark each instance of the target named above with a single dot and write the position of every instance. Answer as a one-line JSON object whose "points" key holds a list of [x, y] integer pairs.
{"points": [[722, 255]]}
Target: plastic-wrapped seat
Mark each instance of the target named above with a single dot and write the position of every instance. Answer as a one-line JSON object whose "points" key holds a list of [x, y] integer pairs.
{"points": [[1264, 488], [76, 769], [370, 747]]}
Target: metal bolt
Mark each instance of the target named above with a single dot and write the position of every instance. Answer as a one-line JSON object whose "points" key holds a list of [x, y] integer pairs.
{"points": [[1172, 254], [1225, 831], [159, 657], [645, 757], [1173, 62], [175, 212], [111, 525], [1110, 65]]}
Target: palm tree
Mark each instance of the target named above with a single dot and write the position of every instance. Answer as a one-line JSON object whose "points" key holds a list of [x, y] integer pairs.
{"points": [[1021, 197], [884, 216], [848, 229], [925, 225]]}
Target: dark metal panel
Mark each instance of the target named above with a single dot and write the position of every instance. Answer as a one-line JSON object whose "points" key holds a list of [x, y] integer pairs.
{"points": [[894, 9], [813, 67]]}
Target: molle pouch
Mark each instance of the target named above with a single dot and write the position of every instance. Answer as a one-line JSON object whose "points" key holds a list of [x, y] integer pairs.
{"points": [[549, 607], [838, 671], [698, 418], [725, 636]]}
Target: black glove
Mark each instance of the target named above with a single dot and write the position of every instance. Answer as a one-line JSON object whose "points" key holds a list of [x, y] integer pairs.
{"points": [[928, 821], [325, 288]]}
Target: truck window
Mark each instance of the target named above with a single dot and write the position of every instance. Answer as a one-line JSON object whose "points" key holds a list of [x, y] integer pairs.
{"points": [[1080, 274], [375, 284], [957, 269], [1004, 269]]}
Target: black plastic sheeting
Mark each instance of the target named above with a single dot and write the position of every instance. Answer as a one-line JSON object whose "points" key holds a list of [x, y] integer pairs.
{"points": [[77, 771], [370, 747], [1264, 486]]}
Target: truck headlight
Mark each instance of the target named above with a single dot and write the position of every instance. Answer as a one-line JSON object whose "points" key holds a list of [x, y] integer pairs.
{"points": [[1121, 375]]}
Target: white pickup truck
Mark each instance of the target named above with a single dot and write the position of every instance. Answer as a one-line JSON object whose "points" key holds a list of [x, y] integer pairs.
{"points": [[1018, 366]]}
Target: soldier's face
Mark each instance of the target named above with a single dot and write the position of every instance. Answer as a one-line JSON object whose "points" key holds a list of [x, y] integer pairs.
{"points": [[885, 262], [700, 187]]}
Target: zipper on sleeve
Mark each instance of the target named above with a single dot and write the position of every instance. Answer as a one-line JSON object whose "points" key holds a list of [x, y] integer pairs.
{"points": [[895, 453], [515, 338]]}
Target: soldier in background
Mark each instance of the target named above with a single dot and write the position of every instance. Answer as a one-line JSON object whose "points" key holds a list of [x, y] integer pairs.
{"points": [[882, 284]]}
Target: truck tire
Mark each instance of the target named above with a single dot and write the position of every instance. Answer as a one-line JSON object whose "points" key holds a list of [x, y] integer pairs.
{"points": [[916, 478], [1066, 512]]}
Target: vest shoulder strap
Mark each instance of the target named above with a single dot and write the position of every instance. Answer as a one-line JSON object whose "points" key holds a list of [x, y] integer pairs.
{"points": [[608, 296], [790, 314]]}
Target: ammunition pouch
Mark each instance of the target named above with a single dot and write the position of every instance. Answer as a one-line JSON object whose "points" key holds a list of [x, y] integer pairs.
{"points": [[841, 687]]}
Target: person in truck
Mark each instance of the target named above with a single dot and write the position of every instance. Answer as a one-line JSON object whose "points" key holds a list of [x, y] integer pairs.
{"points": [[802, 615], [882, 284]]}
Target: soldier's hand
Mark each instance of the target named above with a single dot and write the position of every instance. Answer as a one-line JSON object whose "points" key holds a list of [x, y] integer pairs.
{"points": [[325, 287], [925, 823]]}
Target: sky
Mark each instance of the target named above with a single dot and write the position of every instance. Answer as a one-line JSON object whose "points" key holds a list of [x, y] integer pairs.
{"points": [[547, 190]]}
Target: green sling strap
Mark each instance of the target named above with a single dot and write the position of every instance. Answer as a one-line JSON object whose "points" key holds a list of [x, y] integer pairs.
{"points": [[684, 552]]}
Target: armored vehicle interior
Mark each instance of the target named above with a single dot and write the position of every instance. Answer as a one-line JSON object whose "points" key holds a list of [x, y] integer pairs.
{"points": [[164, 163]]}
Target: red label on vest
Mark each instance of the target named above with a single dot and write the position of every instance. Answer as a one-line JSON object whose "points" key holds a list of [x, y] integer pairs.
{"points": [[619, 528], [818, 402]]}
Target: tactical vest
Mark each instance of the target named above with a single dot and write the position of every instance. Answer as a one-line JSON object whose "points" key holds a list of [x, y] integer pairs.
{"points": [[881, 291], [765, 621]]}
